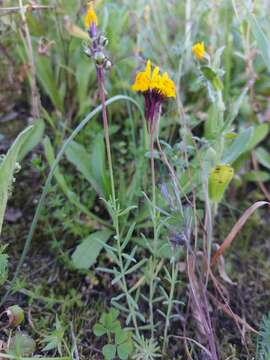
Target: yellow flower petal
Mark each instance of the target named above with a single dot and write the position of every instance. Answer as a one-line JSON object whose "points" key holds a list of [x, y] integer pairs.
{"points": [[155, 83], [91, 16], [148, 68], [142, 80], [199, 50], [167, 86]]}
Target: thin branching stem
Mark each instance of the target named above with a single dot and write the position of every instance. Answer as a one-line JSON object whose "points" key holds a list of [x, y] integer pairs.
{"points": [[30, 53]]}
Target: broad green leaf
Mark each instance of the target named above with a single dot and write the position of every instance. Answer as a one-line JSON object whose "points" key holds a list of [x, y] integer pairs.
{"points": [[7, 168], [238, 147], [33, 140], [259, 133], [87, 252], [125, 349], [46, 77], [263, 157], [72, 197], [21, 344], [99, 330], [121, 336], [91, 164], [109, 351], [255, 176]]}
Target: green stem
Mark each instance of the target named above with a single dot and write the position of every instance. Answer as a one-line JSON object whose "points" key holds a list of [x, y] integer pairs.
{"points": [[170, 305], [122, 270], [154, 212], [100, 76]]}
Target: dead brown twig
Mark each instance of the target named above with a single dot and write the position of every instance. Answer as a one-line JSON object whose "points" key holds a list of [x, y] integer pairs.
{"points": [[235, 230]]}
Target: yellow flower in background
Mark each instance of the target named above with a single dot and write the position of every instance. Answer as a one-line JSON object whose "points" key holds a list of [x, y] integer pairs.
{"points": [[152, 81], [218, 181], [91, 16], [199, 50]]}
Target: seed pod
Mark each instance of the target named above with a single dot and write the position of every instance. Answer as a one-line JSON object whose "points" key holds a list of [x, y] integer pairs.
{"points": [[103, 41], [107, 64], [15, 315], [99, 58]]}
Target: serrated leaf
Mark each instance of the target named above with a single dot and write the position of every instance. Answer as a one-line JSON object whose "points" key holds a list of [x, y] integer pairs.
{"points": [[87, 252]]}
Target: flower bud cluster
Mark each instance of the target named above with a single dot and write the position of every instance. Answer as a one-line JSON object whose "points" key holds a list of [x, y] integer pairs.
{"points": [[99, 42]]}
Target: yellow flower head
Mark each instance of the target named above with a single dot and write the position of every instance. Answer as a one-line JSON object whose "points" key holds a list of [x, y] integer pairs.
{"points": [[91, 16], [148, 81], [199, 50]]}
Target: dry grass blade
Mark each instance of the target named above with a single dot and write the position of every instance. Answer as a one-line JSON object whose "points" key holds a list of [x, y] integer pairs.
{"points": [[235, 230]]}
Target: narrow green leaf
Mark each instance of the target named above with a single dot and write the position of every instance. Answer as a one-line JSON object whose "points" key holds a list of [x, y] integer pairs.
{"points": [[255, 176], [261, 39], [7, 168]]}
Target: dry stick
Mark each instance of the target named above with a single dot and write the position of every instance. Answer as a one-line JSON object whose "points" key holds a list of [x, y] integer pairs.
{"points": [[26, 8], [235, 230], [29, 49], [226, 307], [194, 341], [201, 307]]}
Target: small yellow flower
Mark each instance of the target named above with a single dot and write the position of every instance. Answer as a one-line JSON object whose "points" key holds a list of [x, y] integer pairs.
{"points": [[143, 78], [91, 16], [199, 50]]}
